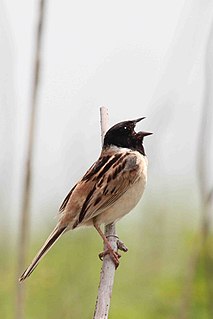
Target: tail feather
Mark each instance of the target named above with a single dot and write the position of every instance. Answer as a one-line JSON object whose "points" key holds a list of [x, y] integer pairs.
{"points": [[54, 236]]}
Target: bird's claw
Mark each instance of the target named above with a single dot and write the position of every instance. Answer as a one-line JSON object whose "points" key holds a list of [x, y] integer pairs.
{"points": [[113, 255]]}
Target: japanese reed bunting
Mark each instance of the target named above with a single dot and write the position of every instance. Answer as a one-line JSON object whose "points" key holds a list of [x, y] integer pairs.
{"points": [[110, 189]]}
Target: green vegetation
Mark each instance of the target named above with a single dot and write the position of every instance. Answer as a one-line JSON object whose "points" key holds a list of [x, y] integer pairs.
{"points": [[150, 282]]}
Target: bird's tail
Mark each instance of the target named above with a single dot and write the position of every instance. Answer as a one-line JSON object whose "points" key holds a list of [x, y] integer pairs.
{"points": [[54, 236]]}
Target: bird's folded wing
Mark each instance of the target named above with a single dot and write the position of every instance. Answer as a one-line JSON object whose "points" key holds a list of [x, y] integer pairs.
{"points": [[109, 186], [106, 181]]}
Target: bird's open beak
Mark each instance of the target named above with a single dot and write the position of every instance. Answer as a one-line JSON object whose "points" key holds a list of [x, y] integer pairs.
{"points": [[146, 133], [138, 120], [143, 134]]}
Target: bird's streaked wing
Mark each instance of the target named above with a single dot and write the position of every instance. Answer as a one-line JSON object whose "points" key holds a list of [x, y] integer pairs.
{"points": [[107, 180]]}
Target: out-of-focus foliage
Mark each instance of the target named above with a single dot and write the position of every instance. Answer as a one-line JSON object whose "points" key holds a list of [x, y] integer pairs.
{"points": [[149, 283]]}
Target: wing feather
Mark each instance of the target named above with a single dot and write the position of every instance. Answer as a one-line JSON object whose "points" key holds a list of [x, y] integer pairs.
{"points": [[105, 182], [122, 175]]}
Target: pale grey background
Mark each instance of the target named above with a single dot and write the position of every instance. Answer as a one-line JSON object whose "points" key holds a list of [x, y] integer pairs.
{"points": [[139, 58]]}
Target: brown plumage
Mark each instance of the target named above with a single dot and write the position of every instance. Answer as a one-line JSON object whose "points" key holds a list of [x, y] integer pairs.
{"points": [[110, 188]]}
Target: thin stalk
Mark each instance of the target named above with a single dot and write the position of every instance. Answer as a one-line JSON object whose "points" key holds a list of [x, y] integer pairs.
{"points": [[108, 268], [27, 183]]}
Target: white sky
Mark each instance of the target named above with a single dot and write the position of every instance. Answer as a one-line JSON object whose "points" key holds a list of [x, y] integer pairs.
{"points": [[139, 58]]}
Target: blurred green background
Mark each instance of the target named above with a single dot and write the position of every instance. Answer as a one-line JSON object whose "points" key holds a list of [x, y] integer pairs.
{"points": [[154, 279]]}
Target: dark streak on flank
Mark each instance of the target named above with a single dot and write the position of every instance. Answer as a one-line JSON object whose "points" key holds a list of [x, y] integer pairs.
{"points": [[84, 207], [100, 182], [97, 200], [116, 172], [105, 190], [109, 178], [65, 201], [112, 191]]}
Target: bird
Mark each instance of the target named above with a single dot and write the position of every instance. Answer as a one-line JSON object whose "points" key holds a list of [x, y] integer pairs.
{"points": [[110, 188]]}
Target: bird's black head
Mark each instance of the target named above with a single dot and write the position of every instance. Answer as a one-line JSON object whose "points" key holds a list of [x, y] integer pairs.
{"points": [[124, 135]]}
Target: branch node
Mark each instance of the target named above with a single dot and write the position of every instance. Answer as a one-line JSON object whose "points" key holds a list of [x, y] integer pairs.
{"points": [[121, 246]]}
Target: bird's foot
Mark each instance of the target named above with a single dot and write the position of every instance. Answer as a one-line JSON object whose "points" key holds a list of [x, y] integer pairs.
{"points": [[113, 255], [109, 250], [120, 244]]}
